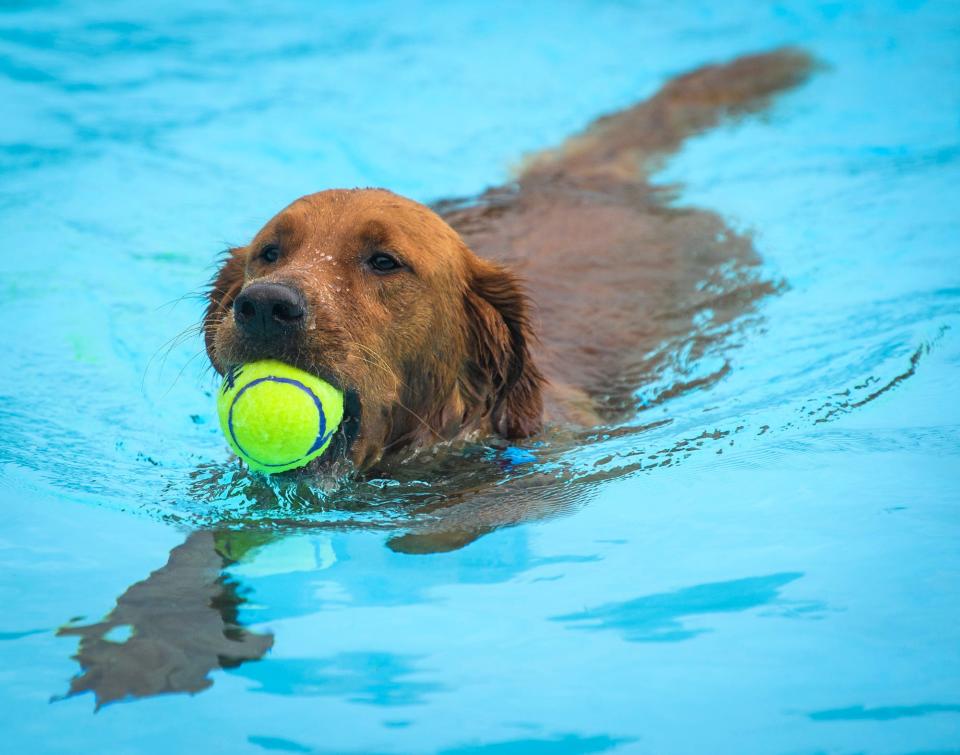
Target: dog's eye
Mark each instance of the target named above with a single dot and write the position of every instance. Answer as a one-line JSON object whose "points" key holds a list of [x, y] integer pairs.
{"points": [[381, 262], [270, 253]]}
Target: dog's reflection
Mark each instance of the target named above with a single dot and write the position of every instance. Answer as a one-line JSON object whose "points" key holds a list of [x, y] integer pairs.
{"points": [[169, 631]]}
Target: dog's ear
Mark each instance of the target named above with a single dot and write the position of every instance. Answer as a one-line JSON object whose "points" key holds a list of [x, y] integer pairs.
{"points": [[223, 290], [500, 371]]}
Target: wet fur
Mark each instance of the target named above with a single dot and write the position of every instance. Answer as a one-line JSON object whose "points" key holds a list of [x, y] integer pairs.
{"points": [[460, 347]]}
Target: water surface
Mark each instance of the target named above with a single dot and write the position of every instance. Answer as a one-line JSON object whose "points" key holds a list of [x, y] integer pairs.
{"points": [[765, 563]]}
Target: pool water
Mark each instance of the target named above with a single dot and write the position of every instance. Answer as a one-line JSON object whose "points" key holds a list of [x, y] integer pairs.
{"points": [[766, 563]]}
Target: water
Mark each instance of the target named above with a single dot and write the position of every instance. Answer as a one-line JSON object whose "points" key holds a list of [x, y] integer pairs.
{"points": [[770, 566]]}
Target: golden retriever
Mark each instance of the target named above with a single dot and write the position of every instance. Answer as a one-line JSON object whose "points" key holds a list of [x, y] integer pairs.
{"points": [[392, 301], [389, 300]]}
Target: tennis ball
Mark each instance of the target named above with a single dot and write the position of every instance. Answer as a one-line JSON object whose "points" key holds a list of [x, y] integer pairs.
{"points": [[276, 417]]}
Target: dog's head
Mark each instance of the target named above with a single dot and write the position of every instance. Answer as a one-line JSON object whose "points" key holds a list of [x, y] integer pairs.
{"points": [[380, 297]]}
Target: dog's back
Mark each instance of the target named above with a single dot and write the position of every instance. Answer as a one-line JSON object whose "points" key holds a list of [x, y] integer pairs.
{"points": [[612, 269]]}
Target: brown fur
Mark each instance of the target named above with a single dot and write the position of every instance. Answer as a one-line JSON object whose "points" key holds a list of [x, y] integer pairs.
{"points": [[453, 347]]}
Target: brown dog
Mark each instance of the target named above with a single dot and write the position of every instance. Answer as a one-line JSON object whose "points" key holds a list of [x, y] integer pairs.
{"points": [[382, 297]]}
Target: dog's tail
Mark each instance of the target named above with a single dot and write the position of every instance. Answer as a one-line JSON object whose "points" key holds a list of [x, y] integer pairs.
{"points": [[625, 145]]}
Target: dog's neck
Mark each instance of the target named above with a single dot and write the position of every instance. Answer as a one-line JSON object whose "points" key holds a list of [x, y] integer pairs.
{"points": [[416, 419]]}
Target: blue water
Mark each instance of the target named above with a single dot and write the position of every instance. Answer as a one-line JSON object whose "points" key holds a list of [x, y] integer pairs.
{"points": [[774, 569]]}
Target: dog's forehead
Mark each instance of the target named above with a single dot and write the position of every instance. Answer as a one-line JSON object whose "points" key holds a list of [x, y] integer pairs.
{"points": [[343, 223]]}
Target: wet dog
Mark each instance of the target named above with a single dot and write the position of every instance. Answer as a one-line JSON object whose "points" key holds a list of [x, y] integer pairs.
{"points": [[419, 314]]}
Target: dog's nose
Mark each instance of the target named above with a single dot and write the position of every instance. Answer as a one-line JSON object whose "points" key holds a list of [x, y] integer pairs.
{"points": [[266, 310]]}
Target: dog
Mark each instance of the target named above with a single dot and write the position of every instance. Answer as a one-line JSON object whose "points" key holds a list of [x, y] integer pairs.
{"points": [[420, 317]]}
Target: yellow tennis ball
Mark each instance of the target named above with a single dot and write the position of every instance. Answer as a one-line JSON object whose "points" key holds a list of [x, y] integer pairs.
{"points": [[276, 417]]}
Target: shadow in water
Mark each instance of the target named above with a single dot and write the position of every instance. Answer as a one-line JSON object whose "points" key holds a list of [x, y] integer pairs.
{"points": [[180, 624], [563, 744], [883, 713], [170, 631], [560, 744], [659, 618], [370, 678]]}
